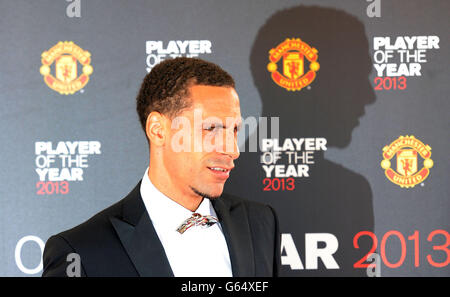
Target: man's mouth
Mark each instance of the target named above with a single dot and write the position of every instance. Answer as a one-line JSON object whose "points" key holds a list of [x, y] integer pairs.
{"points": [[220, 172]]}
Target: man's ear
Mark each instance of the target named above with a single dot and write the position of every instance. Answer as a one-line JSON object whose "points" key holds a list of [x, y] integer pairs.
{"points": [[155, 128]]}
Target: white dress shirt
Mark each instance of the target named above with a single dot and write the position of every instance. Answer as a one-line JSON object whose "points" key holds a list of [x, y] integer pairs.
{"points": [[198, 251]]}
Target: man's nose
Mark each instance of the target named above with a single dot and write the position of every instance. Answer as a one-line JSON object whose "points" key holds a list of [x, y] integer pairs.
{"points": [[231, 145]]}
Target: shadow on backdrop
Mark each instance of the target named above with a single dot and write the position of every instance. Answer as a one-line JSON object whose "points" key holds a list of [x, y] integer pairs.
{"points": [[333, 199]]}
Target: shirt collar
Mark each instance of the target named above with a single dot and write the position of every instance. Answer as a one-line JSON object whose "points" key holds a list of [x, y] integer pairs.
{"points": [[165, 212]]}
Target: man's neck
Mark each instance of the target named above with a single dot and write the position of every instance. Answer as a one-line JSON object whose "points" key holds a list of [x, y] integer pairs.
{"points": [[165, 186]]}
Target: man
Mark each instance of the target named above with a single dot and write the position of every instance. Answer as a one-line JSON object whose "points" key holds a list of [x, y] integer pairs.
{"points": [[176, 221]]}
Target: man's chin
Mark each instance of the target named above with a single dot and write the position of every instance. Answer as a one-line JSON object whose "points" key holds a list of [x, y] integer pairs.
{"points": [[208, 194]]}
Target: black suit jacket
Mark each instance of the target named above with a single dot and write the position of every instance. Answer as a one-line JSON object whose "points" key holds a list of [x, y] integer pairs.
{"points": [[121, 241]]}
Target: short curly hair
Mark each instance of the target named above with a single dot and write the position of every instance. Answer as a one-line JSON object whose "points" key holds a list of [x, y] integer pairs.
{"points": [[165, 88]]}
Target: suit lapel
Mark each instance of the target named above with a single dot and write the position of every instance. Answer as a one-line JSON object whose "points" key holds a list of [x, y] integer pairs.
{"points": [[139, 238], [234, 221]]}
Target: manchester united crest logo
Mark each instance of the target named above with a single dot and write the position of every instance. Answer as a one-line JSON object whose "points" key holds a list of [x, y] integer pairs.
{"points": [[406, 151], [62, 60], [290, 56]]}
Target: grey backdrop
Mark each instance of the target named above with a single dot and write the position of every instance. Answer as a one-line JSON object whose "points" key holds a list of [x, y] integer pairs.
{"points": [[115, 33]]}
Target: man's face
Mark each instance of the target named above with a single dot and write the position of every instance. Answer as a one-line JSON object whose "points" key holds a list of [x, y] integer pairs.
{"points": [[202, 142]]}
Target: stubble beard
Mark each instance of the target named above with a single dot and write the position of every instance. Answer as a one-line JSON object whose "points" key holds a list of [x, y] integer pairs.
{"points": [[204, 195]]}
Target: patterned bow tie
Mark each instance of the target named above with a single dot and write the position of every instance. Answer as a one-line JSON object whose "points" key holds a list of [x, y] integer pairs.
{"points": [[197, 220]]}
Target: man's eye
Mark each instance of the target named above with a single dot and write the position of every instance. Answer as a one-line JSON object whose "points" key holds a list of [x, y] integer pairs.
{"points": [[209, 128]]}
